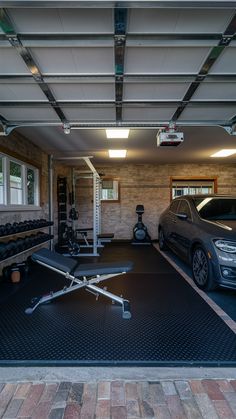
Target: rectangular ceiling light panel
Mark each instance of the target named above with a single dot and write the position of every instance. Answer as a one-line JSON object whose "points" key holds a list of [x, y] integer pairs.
{"points": [[117, 133], [117, 153]]}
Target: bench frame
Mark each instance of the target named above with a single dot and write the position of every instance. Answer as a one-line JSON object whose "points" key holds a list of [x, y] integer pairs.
{"points": [[75, 284]]}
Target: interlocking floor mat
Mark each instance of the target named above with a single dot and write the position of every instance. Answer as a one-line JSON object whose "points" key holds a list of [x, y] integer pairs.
{"points": [[171, 324]]}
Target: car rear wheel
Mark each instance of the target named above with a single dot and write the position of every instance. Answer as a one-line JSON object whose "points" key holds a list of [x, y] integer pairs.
{"points": [[202, 271], [162, 241]]}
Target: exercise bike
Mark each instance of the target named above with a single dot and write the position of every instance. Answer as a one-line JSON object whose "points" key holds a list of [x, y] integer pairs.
{"points": [[140, 232]]}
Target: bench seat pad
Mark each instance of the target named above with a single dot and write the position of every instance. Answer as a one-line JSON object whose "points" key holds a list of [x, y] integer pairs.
{"points": [[91, 269], [64, 264], [54, 260]]}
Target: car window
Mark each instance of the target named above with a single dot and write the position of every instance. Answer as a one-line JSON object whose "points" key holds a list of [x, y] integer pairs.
{"points": [[184, 207], [174, 205], [216, 208]]}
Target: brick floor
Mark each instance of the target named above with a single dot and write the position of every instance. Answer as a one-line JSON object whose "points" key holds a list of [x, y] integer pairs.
{"points": [[164, 399]]}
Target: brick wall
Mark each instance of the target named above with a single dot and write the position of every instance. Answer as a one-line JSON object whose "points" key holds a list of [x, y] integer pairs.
{"points": [[148, 185]]}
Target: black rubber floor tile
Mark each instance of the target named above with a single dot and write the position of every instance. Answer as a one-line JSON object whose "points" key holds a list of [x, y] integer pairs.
{"points": [[170, 325]]}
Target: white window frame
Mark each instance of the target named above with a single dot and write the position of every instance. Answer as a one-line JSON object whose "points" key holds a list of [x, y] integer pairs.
{"points": [[189, 182], [7, 206], [115, 189]]}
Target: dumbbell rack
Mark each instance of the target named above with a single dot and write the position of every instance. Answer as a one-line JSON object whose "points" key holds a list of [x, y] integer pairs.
{"points": [[5, 236]]}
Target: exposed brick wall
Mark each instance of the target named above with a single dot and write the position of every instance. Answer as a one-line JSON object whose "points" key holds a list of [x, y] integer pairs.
{"points": [[146, 184]]}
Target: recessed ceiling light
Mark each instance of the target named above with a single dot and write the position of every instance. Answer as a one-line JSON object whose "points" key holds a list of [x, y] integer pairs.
{"points": [[117, 153], [117, 133], [225, 152]]}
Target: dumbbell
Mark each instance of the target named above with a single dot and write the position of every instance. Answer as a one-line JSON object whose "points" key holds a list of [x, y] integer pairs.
{"points": [[21, 226], [43, 222], [20, 244], [27, 242], [3, 251], [10, 248], [8, 229], [25, 225], [39, 237], [2, 230], [16, 227]]}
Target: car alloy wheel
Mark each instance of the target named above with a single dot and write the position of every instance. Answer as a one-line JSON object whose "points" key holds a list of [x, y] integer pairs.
{"points": [[201, 269]]}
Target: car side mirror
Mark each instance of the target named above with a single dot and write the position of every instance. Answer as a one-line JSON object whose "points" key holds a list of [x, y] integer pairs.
{"points": [[182, 215]]}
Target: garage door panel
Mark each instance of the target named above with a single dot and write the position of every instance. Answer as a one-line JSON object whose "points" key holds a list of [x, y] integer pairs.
{"points": [[83, 91], [62, 20], [148, 114], [29, 114], [215, 91], [204, 113], [21, 91], [74, 60], [11, 62], [154, 91], [164, 60], [226, 63], [178, 21], [89, 113]]}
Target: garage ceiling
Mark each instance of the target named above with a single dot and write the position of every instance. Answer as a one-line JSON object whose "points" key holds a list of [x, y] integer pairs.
{"points": [[88, 65]]}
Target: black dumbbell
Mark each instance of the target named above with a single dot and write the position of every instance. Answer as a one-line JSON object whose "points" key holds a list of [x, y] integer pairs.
{"points": [[27, 242], [21, 226], [20, 244], [10, 247], [2, 230], [3, 251], [8, 229], [16, 227]]}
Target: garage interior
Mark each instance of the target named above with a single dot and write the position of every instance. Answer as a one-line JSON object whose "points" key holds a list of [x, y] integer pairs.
{"points": [[68, 72]]}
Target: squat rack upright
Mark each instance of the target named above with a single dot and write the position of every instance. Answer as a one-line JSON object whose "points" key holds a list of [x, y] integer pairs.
{"points": [[96, 203]]}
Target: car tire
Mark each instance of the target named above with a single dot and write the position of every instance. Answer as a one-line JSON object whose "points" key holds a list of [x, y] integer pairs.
{"points": [[162, 240], [202, 270]]}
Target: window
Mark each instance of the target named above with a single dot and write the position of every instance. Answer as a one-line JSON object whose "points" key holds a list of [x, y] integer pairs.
{"points": [[18, 184], [216, 208], [30, 186], [184, 208], [192, 186], [110, 190], [174, 206]]}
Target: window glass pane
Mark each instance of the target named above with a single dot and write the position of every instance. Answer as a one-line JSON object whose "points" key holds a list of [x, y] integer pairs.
{"points": [[30, 186], [191, 187], [184, 207], [15, 183], [1, 181], [174, 206], [110, 190], [216, 208]]}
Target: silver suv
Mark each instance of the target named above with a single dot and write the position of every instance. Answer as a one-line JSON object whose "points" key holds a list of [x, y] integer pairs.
{"points": [[201, 229]]}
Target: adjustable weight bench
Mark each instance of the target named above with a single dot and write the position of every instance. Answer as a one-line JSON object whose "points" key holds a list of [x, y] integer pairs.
{"points": [[80, 276]]}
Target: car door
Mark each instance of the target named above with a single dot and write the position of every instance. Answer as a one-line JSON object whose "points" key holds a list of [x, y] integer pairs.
{"points": [[169, 224], [183, 228]]}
